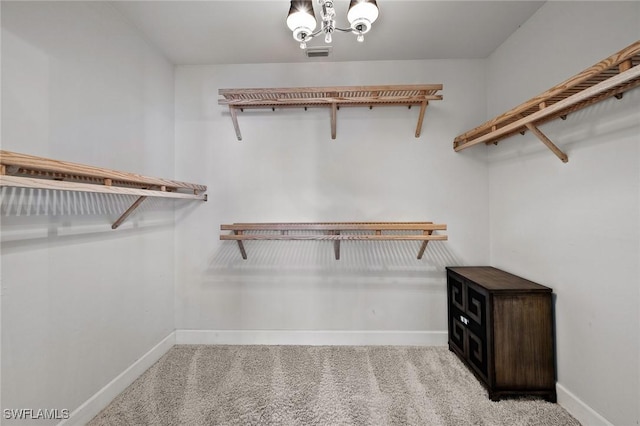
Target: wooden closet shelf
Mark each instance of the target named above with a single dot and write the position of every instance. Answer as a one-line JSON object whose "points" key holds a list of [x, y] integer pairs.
{"points": [[333, 231], [610, 77], [330, 97], [28, 171]]}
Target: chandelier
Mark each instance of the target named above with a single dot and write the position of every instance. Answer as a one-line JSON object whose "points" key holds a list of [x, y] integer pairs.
{"points": [[302, 21]]}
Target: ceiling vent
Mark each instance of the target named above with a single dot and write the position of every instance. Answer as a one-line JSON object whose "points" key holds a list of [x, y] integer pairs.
{"points": [[318, 52]]}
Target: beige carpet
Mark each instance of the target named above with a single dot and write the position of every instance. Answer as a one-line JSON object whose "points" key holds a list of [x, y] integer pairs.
{"points": [[317, 385]]}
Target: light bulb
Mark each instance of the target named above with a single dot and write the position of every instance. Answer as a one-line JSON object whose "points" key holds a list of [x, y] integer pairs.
{"points": [[301, 15], [327, 38], [362, 9], [360, 38], [303, 45]]}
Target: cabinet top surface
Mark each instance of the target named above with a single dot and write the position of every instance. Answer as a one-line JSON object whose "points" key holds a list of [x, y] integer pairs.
{"points": [[495, 279]]}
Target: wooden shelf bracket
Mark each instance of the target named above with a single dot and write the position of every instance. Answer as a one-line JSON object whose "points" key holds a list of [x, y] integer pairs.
{"points": [[234, 119], [334, 108], [423, 246], [610, 77], [423, 108], [545, 140], [330, 97], [334, 231], [130, 210], [28, 171]]}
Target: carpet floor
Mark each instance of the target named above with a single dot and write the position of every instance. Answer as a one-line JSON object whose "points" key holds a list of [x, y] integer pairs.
{"points": [[317, 385]]}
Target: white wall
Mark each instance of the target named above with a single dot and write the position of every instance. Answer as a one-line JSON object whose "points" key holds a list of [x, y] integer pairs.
{"points": [[82, 302], [287, 168], [575, 226]]}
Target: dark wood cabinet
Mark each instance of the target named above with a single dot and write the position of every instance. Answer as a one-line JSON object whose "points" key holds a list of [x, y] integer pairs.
{"points": [[501, 326]]}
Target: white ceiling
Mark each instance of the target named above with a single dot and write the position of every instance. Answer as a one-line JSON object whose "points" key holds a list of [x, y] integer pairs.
{"points": [[242, 31]]}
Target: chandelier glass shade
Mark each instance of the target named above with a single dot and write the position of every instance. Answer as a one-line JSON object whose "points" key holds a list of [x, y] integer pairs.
{"points": [[302, 21]]}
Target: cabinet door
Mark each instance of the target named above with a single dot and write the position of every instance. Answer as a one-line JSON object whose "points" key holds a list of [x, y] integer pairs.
{"points": [[467, 307], [476, 313], [455, 306]]}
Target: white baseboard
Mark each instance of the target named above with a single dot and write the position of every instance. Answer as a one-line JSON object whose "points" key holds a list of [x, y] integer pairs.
{"points": [[104, 396], [310, 337], [586, 415]]}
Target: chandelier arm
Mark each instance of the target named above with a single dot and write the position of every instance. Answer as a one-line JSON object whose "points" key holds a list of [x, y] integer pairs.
{"points": [[361, 14]]}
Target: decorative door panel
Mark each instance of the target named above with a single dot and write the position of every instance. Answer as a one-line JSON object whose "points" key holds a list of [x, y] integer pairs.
{"points": [[477, 354], [456, 293], [476, 306], [457, 334]]}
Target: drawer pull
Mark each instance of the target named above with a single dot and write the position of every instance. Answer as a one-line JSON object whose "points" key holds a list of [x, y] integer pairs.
{"points": [[464, 320]]}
